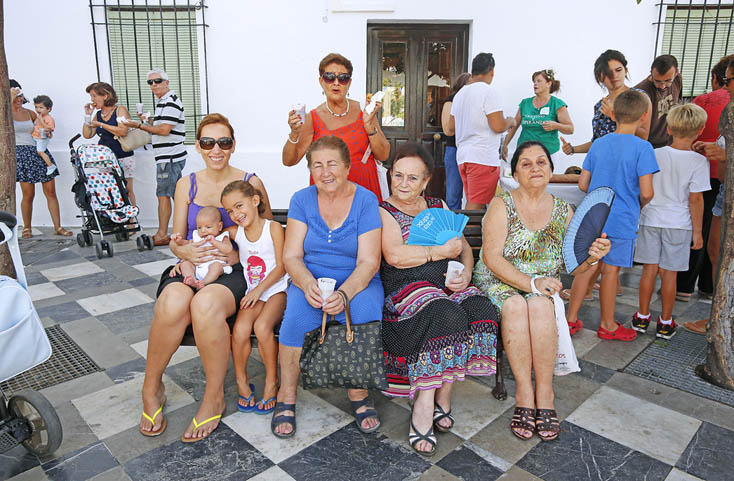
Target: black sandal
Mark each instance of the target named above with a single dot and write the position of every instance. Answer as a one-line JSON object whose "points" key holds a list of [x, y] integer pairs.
{"points": [[283, 419], [439, 415], [546, 420], [414, 437], [370, 412], [521, 419]]}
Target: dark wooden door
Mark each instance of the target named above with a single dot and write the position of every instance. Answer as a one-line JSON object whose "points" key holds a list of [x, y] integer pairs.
{"points": [[415, 65]]}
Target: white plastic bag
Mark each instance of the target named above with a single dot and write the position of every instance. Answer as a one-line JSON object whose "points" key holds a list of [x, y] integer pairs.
{"points": [[566, 361]]}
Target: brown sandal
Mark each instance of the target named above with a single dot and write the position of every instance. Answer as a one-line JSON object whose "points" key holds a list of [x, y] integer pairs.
{"points": [[27, 233], [62, 232], [523, 418], [546, 420]]}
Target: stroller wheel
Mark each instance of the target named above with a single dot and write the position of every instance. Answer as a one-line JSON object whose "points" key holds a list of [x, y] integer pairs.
{"points": [[140, 243], [88, 237], [122, 236], [148, 241], [81, 240], [46, 432], [98, 248], [107, 247]]}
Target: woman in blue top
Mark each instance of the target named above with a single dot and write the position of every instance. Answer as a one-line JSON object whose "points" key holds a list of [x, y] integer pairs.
{"points": [[105, 124], [541, 116], [334, 230]]}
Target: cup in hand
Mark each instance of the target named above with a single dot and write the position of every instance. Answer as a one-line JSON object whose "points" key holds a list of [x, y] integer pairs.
{"points": [[326, 286], [139, 107], [88, 119], [42, 133], [300, 111], [454, 270]]}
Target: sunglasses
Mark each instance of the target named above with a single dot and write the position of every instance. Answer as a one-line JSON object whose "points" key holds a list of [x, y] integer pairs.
{"points": [[207, 143], [152, 81], [329, 77]]}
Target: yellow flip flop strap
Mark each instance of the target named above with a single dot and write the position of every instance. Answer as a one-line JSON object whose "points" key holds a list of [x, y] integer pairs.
{"points": [[152, 419], [197, 425]]}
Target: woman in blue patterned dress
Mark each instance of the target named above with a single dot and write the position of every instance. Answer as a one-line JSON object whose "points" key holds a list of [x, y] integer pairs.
{"points": [[435, 330], [30, 168], [519, 268]]}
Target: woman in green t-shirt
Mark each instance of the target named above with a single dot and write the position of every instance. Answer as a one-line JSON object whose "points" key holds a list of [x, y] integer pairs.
{"points": [[541, 116]]}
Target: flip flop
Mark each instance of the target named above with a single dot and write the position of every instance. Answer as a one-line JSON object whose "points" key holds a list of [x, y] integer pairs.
{"points": [[164, 423], [161, 241], [248, 408], [263, 402], [27, 233], [62, 232], [197, 425]]}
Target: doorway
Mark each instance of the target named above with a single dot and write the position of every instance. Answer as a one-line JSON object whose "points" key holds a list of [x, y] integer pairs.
{"points": [[415, 65]]}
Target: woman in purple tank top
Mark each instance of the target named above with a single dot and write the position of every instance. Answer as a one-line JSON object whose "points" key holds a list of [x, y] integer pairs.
{"points": [[211, 310]]}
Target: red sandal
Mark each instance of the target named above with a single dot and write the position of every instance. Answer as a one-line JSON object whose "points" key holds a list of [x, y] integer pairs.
{"points": [[621, 333], [574, 327]]}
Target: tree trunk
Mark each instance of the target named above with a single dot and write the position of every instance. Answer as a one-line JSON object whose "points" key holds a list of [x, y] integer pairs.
{"points": [[719, 367], [7, 146]]}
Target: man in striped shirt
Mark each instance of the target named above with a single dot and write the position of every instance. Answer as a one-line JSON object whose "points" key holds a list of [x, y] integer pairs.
{"points": [[167, 126]]}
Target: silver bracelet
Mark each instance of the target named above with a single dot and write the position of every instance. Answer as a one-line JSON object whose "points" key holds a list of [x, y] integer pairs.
{"points": [[291, 141]]}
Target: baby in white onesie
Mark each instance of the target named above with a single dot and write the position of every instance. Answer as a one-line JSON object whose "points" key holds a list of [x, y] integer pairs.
{"points": [[209, 227]]}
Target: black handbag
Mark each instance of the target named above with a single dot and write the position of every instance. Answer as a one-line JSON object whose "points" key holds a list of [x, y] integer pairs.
{"points": [[343, 356]]}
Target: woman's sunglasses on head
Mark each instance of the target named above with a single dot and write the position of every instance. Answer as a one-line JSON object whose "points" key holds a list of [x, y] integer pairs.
{"points": [[329, 77], [207, 143], [152, 81]]}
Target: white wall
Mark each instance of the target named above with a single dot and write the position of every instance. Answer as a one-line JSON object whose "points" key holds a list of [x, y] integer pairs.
{"points": [[263, 57]]}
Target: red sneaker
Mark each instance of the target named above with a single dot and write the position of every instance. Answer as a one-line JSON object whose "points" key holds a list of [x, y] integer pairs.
{"points": [[621, 333], [574, 327]]}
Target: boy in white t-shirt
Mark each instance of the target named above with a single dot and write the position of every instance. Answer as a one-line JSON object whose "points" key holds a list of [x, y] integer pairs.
{"points": [[478, 122], [673, 218]]}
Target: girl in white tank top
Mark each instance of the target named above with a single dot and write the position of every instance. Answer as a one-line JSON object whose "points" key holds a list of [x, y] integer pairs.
{"points": [[260, 243]]}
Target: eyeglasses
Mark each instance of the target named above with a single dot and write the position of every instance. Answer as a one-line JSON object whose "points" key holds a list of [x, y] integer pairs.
{"points": [[329, 77], [207, 143], [152, 81], [726, 80]]}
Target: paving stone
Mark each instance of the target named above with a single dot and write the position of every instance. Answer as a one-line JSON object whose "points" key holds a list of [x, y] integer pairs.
{"points": [[155, 269], [584, 341], [114, 474], [182, 354], [223, 455], [64, 312], [581, 454], [55, 274], [39, 292], [128, 319], [126, 371], [106, 303], [100, 279], [595, 372], [144, 257], [617, 355], [34, 474], [16, 461], [678, 475], [272, 474], [517, 474], [708, 455], [99, 343], [82, 464], [497, 439], [658, 432], [436, 473], [33, 278], [77, 434], [64, 392], [466, 464]]}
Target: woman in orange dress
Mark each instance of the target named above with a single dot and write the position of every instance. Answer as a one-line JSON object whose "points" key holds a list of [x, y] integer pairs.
{"points": [[343, 118]]}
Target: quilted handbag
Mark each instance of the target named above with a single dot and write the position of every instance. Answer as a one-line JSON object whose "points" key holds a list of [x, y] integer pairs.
{"points": [[135, 138], [343, 356]]}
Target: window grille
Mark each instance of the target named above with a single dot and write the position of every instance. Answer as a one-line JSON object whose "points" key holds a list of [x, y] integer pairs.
{"points": [[135, 36], [698, 34]]}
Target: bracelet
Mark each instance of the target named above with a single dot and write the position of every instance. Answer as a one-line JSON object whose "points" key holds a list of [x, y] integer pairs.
{"points": [[430, 255], [591, 263], [425, 249], [291, 141], [573, 151], [373, 133], [534, 289]]}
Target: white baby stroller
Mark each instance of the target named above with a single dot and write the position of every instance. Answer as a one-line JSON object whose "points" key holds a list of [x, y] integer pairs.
{"points": [[27, 417], [100, 192]]}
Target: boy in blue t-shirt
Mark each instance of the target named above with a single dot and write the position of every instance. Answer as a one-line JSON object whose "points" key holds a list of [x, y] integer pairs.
{"points": [[625, 163]]}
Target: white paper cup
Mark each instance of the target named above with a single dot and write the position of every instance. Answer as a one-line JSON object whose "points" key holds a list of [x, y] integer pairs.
{"points": [[326, 286], [88, 119], [454, 270], [42, 133], [301, 111], [139, 107]]}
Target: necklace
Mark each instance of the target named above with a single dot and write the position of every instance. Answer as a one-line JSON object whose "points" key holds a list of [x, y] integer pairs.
{"points": [[337, 115]]}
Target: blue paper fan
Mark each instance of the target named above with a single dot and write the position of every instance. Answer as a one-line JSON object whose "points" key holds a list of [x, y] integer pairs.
{"points": [[586, 226], [435, 227]]}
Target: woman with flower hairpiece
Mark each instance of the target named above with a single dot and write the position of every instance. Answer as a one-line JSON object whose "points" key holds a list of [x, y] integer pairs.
{"points": [[542, 116]]}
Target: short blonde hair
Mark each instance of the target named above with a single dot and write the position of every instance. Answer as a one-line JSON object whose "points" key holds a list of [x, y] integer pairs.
{"points": [[686, 120]]}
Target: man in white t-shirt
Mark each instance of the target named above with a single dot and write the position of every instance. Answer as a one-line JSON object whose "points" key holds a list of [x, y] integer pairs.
{"points": [[478, 121]]}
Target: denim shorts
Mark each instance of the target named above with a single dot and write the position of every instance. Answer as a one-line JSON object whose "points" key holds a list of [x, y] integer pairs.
{"points": [[166, 176], [718, 208]]}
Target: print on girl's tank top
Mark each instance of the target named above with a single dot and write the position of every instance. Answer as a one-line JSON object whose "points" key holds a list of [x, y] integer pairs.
{"points": [[256, 270]]}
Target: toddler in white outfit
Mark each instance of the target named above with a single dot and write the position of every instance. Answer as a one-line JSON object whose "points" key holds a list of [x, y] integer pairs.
{"points": [[209, 227]]}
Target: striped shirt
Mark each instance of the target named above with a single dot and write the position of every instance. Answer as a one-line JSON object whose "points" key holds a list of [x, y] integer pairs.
{"points": [[170, 148]]}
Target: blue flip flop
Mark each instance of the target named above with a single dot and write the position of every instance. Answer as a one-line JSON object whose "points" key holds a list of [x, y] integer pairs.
{"points": [[264, 402], [247, 409]]}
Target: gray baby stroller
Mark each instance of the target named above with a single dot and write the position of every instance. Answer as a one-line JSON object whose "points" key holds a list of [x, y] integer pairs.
{"points": [[100, 192], [26, 418]]}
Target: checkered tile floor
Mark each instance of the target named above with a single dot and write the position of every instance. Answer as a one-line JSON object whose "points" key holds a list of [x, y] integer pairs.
{"points": [[615, 426]]}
